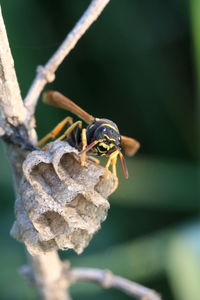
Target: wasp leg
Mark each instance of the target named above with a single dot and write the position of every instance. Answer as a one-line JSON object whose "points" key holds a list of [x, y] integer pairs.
{"points": [[94, 159], [112, 159], [53, 133], [114, 162], [70, 129], [83, 138], [114, 170], [107, 166], [84, 145]]}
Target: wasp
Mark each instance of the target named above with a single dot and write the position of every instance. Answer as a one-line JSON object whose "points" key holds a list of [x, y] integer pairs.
{"points": [[101, 137]]}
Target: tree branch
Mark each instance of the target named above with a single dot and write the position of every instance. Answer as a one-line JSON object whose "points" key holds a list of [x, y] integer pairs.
{"points": [[46, 73], [108, 280], [47, 269], [12, 109], [48, 276]]}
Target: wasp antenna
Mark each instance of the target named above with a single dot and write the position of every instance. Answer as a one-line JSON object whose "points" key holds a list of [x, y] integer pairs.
{"points": [[90, 146], [124, 166]]}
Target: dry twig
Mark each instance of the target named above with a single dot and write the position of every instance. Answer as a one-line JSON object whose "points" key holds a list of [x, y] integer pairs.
{"points": [[47, 73], [12, 108], [12, 115], [107, 280]]}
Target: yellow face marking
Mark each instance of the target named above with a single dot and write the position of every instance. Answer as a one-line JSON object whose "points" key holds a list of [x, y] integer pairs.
{"points": [[109, 137], [105, 146], [111, 146]]}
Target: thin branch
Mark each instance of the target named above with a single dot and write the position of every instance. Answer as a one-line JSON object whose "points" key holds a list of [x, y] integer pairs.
{"points": [[12, 110], [108, 280], [47, 269], [46, 73], [48, 276]]}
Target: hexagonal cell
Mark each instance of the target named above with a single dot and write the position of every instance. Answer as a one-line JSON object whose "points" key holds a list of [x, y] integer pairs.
{"points": [[63, 203]]}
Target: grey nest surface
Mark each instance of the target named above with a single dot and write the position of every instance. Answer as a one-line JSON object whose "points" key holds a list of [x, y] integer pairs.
{"points": [[61, 204]]}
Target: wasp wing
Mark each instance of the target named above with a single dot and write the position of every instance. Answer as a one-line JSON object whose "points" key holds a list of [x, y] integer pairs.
{"points": [[57, 99], [129, 145]]}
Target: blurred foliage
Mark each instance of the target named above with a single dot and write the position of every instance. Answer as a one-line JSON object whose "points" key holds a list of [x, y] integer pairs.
{"points": [[136, 65]]}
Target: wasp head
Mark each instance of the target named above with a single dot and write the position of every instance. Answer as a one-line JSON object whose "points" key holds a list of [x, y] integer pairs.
{"points": [[103, 138], [107, 135]]}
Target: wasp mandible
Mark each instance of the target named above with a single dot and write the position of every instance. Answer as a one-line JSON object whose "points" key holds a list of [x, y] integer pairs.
{"points": [[101, 137]]}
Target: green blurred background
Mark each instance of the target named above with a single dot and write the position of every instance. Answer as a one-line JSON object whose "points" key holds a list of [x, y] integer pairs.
{"points": [[138, 65]]}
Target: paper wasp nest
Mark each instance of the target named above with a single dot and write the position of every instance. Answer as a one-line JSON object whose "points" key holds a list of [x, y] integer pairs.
{"points": [[61, 204]]}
